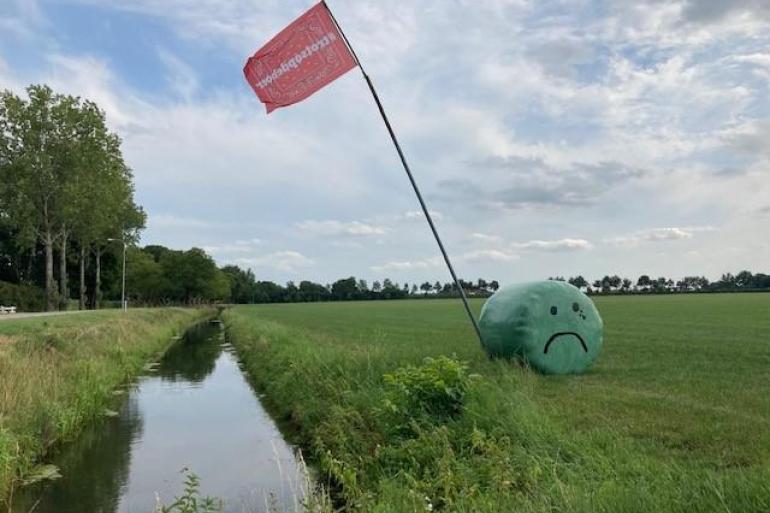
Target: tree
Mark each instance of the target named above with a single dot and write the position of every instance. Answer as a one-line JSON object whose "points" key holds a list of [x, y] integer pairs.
{"points": [[121, 221], [290, 292], [63, 178], [344, 289], [242, 283], [31, 168], [376, 287], [69, 119], [156, 251], [62, 171], [310, 291], [391, 290], [760, 281], [660, 284], [578, 281], [743, 279], [194, 277], [494, 285], [691, 283], [426, 287], [626, 285], [727, 281], [268, 292], [437, 287], [145, 279], [644, 282], [218, 287]]}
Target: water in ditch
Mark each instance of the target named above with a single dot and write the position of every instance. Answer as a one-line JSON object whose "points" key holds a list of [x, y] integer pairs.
{"points": [[196, 411]]}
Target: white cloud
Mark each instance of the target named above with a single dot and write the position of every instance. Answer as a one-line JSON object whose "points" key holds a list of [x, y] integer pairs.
{"points": [[173, 221], [181, 76], [658, 235], [237, 247], [418, 214], [752, 138], [7, 79], [554, 245], [406, 265], [668, 234], [483, 237], [286, 261], [493, 255], [22, 19], [93, 78], [337, 228]]}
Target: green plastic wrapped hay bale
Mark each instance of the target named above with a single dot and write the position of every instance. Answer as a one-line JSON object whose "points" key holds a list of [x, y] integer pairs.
{"points": [[550, 324]]}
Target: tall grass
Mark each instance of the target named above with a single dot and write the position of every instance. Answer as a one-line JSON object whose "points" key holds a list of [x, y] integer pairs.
{"points": [[328, 370], [58, 373]]}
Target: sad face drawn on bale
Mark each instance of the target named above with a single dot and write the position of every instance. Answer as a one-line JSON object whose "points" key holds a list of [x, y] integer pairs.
{"points": [[551, 325]]}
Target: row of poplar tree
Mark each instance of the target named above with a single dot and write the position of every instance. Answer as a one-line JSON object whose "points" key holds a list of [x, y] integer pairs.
{"points": [[64, 187]]}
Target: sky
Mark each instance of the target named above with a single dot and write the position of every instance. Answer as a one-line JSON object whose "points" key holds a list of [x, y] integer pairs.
{"points": [[548, 137]]}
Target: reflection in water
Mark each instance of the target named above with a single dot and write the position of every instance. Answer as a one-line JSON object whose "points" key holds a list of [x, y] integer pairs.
{"points": [[196, 411], [94, 468], [190, 359]]}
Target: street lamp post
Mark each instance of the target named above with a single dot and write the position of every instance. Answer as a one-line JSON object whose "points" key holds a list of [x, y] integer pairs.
{"points": [[123, 301]]}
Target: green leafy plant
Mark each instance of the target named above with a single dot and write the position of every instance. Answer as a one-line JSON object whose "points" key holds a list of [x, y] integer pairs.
{"points": [[436, 388], [192, 501]]}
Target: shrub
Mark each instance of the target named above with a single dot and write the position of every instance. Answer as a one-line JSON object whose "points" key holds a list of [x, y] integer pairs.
{"points": [[436, 389], [25, 298]]}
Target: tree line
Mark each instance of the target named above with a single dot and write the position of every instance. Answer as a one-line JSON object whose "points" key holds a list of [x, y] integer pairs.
{"points": [[742, 281], [64, 190], [159, 275], [246, 289]]}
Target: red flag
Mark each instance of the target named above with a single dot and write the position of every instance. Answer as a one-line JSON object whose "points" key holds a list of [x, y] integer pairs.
{"points": [[300, 60]]}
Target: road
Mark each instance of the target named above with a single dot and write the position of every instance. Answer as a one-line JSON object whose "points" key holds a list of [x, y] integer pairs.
{"points": [[27, 315]]}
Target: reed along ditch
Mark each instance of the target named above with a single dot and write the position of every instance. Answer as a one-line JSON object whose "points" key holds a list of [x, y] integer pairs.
{"points": [[192, 410]]}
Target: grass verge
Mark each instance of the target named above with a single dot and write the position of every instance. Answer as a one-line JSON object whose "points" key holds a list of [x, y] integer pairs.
{"points": [[58, 373], [335, 372]]}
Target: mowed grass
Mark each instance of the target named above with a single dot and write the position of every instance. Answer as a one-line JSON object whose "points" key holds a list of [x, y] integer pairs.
{"points": [[58, 373], [688, 374], [675, 415]]}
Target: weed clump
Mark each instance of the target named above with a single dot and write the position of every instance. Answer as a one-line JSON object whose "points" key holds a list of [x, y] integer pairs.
{"points": [[434, 389], [191, 501]]}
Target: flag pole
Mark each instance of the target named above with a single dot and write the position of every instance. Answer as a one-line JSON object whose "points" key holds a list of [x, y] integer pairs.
{"points": [[410, 176]]}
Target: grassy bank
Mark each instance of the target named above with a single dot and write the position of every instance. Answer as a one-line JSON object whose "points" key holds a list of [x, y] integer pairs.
{"points": [[674, 417], [58, 373]]}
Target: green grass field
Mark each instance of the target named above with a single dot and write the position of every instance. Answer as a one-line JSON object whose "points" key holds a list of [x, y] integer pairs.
{"points": [[675, 415]]}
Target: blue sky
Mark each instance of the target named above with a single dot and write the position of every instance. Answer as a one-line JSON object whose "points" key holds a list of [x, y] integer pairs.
{"points": [[550, 137]]}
